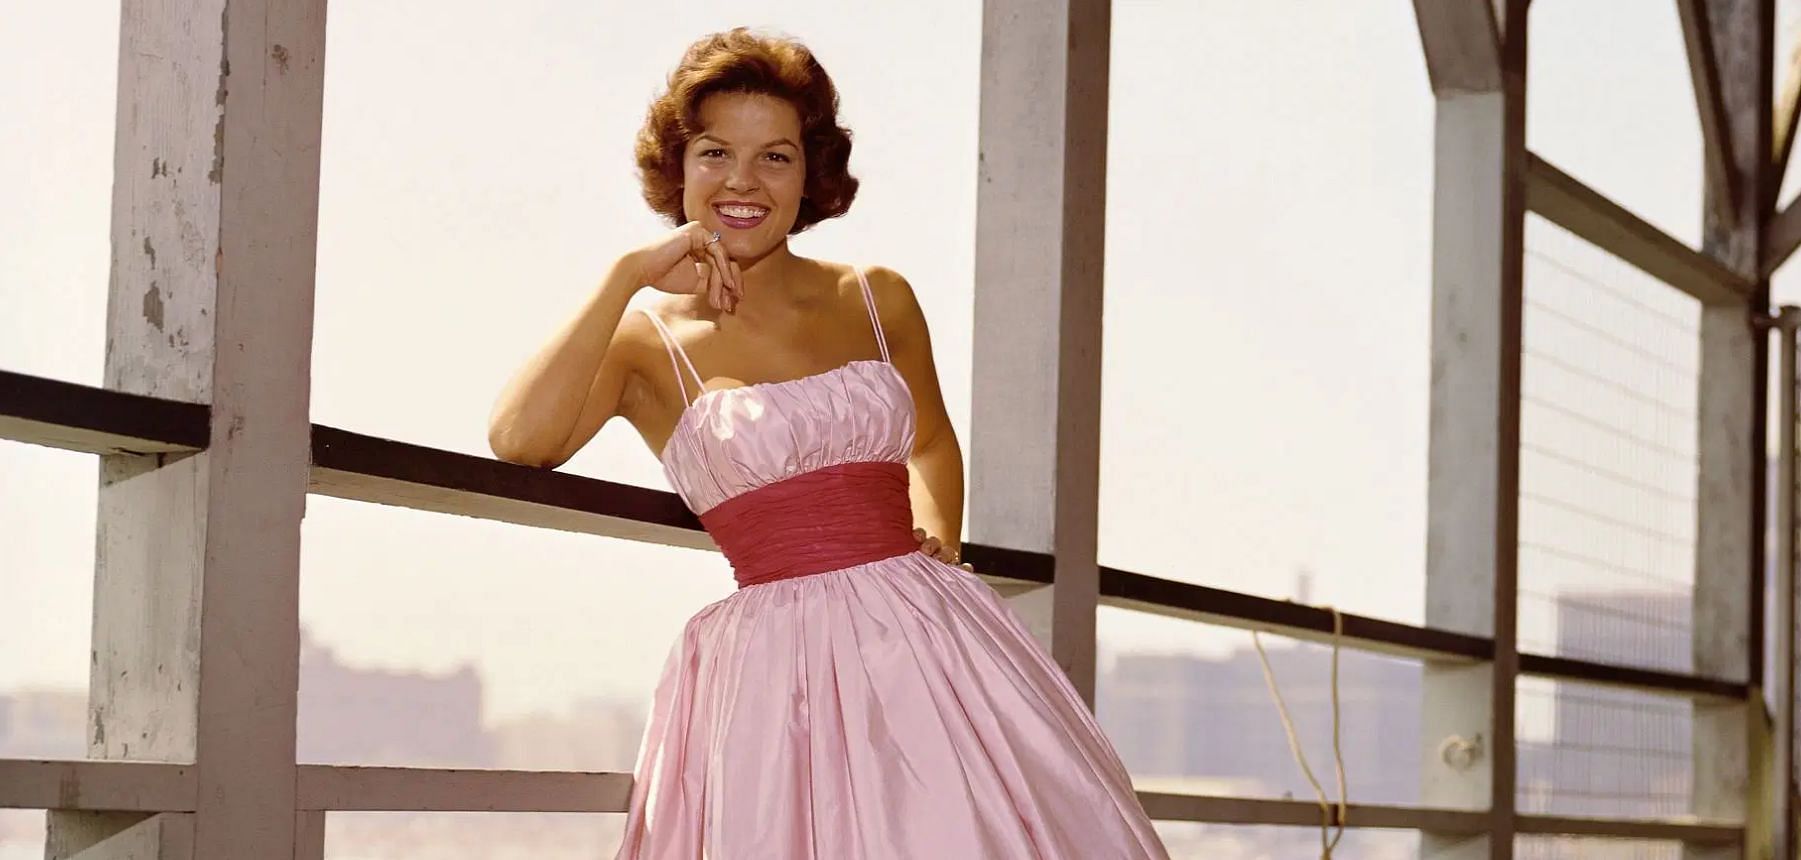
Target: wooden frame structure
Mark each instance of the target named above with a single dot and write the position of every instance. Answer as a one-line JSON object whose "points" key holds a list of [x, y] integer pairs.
{"points": [[207, 453]]}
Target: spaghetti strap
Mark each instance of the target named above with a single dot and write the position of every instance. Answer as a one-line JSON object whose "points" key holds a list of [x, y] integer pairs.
{"points": [[674, 348], [875, 320]]}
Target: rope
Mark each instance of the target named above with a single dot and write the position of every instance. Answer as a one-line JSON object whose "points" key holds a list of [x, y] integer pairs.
{"points": [[1328, 840]]}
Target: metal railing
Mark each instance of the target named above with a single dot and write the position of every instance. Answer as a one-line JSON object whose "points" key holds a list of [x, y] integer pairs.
{"points": [[352, 466]]}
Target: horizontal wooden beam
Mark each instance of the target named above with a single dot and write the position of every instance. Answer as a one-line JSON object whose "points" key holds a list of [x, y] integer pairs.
{"points": [[364, 468], [1693, 687], [152, 787], [93, 420], [1693, 831], [402, 789], [1566, 202], [1297, 813], [367, 469], [1207, 809], [97, 786], [1218, 606]]}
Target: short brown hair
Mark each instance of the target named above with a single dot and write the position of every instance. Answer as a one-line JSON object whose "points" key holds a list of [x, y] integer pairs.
{"points": [[740, 61]]}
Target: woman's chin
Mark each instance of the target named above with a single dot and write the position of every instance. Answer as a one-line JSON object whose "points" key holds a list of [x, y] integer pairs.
{"points": [[747, 249]]}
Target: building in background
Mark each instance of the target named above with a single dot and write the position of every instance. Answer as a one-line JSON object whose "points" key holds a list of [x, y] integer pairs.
{"points": [[46, 724], [370, 716], [1613, 753], [1181, 715]]}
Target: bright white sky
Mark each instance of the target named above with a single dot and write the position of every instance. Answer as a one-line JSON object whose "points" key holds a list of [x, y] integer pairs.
{"points": [[1267, 315]]}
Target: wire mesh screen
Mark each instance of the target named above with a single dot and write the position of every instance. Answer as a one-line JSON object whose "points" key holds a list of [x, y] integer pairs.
{"points": [[1608, 465], [1593, 848], [1607, 458], [1601, 752]]}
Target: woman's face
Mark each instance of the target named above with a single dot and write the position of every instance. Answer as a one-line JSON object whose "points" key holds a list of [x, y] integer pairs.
{"points": [[744, 174]]}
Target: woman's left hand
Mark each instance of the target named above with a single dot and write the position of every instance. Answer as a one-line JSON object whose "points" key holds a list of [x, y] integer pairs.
{"points": [[937, 549]]}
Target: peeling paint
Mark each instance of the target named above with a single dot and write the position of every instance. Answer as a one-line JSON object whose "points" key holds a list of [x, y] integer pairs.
{"points": [[150, 251], [217, 174], [280, 54], [153, 306], [158, 167]]}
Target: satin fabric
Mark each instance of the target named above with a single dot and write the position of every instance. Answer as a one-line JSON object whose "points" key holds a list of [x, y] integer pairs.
{"points": [[827, 519], [889, 709]]}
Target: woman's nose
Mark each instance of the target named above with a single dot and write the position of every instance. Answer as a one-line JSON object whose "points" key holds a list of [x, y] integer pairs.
{"points": [[742, 178]]}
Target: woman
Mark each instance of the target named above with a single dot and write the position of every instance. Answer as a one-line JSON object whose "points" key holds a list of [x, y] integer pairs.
{"points": [[860, 695]]}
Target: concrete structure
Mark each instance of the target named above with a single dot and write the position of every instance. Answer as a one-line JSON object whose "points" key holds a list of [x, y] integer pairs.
{"points": [[207, 452]]}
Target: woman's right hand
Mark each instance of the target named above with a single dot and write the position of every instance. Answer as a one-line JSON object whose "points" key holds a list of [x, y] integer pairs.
{"points": [[690, 260]]}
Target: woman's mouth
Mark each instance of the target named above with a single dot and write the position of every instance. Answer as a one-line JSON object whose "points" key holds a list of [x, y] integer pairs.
{"points": [[740, 216]]}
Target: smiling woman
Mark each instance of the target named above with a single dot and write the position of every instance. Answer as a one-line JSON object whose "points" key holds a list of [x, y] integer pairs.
{"points": [[797, 96], [860, 694]]}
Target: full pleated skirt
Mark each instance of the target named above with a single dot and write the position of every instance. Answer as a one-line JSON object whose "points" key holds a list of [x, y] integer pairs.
{"points": [[897, 709]]}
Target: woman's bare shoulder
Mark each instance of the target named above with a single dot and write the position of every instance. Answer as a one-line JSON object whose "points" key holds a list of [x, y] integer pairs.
{"points": [[895, 300]]}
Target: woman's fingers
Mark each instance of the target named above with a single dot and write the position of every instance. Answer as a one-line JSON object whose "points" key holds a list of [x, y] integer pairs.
{"points": [[939, 550], [703, 282], [714, 252], [716, 287]]}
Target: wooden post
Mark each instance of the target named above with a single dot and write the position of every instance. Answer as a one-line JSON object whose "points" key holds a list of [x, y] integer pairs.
{"points": [[1477, 65], [214, 229], [1781, 801], [1728, 585], [1040, 224]]}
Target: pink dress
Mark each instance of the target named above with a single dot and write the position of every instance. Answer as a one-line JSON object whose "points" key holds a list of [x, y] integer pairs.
{"points": [[854, 699]]}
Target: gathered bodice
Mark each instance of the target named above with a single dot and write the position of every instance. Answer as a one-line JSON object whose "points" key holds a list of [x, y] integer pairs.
{"points": [[734, 440]]}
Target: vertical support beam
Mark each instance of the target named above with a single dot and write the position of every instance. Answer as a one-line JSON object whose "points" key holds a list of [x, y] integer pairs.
{"points": [[1732, 395], [1040, 223], [309, 835], [1478, 235], [214, 229], [1784, 730]]}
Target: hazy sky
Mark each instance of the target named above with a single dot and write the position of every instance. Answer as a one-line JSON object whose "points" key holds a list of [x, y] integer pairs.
{"points": [[1264, 410]]}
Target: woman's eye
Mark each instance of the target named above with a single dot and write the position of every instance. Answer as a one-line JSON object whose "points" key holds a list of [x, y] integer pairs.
{"points": [[776, 156], [712, 153]]}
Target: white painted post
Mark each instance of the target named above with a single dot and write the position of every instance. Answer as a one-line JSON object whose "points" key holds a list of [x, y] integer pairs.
{"points": [[1477, 65], [215, 209], [1040, 225], [1783, 775]]}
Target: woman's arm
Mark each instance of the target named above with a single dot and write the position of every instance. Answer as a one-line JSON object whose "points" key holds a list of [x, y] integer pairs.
{"points": [[574, 383], [937, 465], [571, 386]]}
